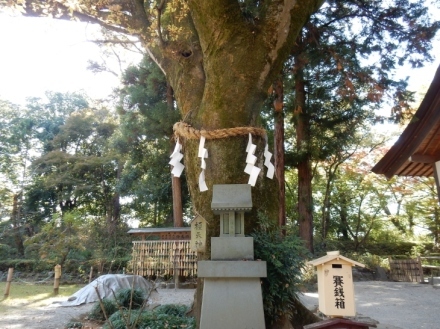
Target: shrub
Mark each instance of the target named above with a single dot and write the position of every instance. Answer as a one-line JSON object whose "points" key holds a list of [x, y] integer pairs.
{"points": [[74, 324], [19, 265], [172, 309], [109, 305], [130, 298], [285, 259], [370, 261], [165, 316], [7, 251]]}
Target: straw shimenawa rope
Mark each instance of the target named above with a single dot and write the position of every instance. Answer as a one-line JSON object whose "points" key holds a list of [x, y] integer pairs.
{"points": [[184, 130]]}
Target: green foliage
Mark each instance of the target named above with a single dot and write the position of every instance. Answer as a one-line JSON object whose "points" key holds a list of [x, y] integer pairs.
{"points": [[22, 265], [377, 248], [97, 313], [7, 252], [58, 238], [285, 257], [130, 298], [342, 68], [369, 260], [147, 115], [172, 309], [166, 316], [74, 324]]}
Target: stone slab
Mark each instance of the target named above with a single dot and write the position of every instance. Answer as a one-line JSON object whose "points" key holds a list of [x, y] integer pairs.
{"points": [[231, 197], [232, 248], [232, 304], [231, 269]]}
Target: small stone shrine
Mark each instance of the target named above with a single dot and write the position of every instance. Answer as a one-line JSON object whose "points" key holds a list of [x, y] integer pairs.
{"points": [[232, 296]]}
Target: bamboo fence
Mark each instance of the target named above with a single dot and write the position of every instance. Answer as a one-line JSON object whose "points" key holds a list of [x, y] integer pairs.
{"points": [[164, 258], [406, 270]]}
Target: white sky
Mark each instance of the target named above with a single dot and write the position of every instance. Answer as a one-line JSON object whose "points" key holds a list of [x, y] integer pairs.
{"points": [[40, 54]]}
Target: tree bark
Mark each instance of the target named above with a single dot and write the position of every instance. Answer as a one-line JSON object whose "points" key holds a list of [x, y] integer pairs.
{"points": [[177, 201], [15, 217], [279, 149], [305, 200], [176, 185]]}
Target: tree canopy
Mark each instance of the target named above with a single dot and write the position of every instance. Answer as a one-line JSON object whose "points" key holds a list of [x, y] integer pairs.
{"points": [[220, 57]]}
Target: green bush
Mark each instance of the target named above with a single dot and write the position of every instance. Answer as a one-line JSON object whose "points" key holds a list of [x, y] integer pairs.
{"points": [[370, 261], [74, 324], [21, 265], [165, 316], [379, 248], [172, 309], [109, 305], [285, 257], [7, 251], [32, 251], [130, 298]]}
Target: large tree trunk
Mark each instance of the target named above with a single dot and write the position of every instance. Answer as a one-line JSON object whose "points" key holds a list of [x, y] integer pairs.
{"points": [[279, 149], [15, 218], [113, 211], [176, 185], [305, 200], [221, 82]]}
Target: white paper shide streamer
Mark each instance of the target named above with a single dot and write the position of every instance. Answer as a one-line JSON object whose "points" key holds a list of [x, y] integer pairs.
{"points": [[203, 154], [176, 157], [251, 169], [267, 163]]}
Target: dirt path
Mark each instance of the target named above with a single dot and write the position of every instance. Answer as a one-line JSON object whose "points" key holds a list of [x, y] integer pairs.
{"points": [[394, 305], [45, 314], [48, 314]]}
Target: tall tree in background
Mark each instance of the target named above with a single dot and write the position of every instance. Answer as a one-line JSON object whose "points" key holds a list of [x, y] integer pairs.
{"points": [[81, 170], [50, 115], [342, 68], [25, 133], [145, 138]]}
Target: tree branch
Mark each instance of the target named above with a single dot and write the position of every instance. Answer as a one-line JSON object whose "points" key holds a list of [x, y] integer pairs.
{"points": [[280, 26], [159, 10], [216, 22]]}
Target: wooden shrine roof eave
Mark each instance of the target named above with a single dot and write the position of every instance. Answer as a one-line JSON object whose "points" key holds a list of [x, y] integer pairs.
{"points": [[427, 117], [155, 230]]}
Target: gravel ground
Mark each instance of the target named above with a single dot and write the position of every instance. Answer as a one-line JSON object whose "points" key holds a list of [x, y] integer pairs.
{"points": [[49, 314], [391, 305], [394, 305]]}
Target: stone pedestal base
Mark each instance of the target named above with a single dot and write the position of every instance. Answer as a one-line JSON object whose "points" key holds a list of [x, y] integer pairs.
{"points": [[232, 297], [233, 303]]}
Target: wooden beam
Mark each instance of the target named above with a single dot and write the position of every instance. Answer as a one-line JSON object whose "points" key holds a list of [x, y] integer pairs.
{"points": [[436, 168], [423, 158]]}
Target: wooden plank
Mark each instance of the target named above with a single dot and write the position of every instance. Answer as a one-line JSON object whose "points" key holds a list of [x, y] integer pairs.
{"points": [[407, 270]]}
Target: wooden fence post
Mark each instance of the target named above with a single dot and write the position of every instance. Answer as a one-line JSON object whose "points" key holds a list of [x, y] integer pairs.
{"points": [[8, 281], [56, 283], [91, 274]]}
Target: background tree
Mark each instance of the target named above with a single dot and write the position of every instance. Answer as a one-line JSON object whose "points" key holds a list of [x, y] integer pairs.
{"points": [[342, 68], [25, 132], [147, 114], [80, 169]]}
